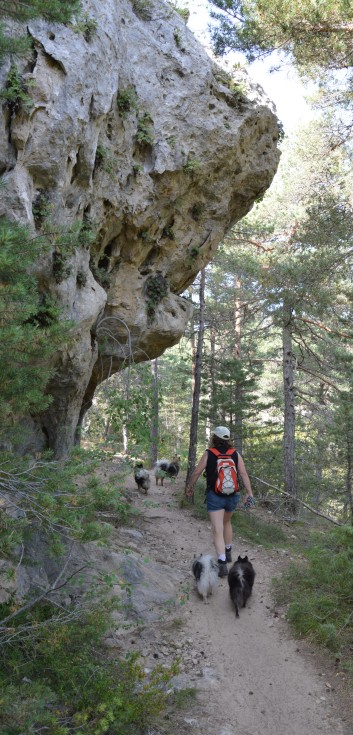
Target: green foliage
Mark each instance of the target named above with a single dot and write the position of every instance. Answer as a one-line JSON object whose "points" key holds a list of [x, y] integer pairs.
{"points": [[25, 347], [316, 35], [238, 88], [172, 141], [192, 166], [124, 400], [248, 525], [64, 244], [196, 211], [156, 289], [81, 278], [100, 274], [168, 232], [144, 135], [54, 669], [297, 27], [58, 11], [178, 39], [41, 208], [183, 12], [19, 46], [194, 252], [105, 159], [15, 93], [71, 684], [86, 25], [32, 327], [143, 8], [127, 101], [74, 512], [320, 593]]}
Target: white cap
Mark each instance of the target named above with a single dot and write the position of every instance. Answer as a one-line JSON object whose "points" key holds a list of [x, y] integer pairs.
{"points": [[222, 432]]}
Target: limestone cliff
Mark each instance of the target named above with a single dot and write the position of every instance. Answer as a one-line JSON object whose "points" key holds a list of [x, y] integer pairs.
{"points": [[135, 131]]}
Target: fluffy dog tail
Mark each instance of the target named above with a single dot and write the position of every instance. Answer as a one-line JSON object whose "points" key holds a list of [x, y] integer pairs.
{"points": [[241, 579], [205, 570]]}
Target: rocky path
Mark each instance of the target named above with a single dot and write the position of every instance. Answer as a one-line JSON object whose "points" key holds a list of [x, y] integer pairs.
{"points": [[251, 677]]}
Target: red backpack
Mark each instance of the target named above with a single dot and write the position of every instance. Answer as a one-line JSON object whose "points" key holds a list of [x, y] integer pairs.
{"points": [[227, 475]]}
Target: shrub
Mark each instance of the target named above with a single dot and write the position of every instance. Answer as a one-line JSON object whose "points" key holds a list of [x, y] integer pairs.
{"points": [[156, 289], [126, 101], [320, 594], [144, 135], [143, 8], [16, 91], [85, 25], [60, 678], [31, 327], [59, 11], [192, 165], [55, 675]]}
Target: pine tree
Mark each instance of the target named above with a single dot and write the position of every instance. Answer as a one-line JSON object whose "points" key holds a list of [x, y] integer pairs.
{"points": [[302, 233], [30, 328], [197, 382], [15, 41], [316, 36]]}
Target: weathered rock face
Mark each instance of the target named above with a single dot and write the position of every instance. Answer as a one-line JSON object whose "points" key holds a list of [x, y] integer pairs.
{"points": [[133, 131]]}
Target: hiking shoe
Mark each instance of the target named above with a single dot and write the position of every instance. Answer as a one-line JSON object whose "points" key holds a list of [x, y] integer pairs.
{"points": [[228, 555], [222, 568]]}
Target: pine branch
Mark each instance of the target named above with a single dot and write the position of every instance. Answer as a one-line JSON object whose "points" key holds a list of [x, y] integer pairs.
{"points": [[320, 325], [53, 588], [297, 500]]}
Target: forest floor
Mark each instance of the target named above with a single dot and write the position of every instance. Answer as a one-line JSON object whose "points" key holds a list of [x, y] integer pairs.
{"points": [[251, 677]]}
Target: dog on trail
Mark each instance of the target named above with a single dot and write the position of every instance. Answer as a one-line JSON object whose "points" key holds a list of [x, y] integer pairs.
{"points": [[241, 579], [205, 571], [142, 477], [165, 468]]}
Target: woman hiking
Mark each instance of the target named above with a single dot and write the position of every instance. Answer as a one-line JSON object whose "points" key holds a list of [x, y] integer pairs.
{"points": [[222, 462]]}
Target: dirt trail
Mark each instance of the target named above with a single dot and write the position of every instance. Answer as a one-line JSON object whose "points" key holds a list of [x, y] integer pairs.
{"points": [[252, 677]]}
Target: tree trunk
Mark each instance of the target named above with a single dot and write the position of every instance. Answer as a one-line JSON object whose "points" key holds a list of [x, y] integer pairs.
{"points": [[319, 461], [125, 438], [197, 381], [289, 406], [213, 383], [155, 413], [349, 475], [238, 393]]}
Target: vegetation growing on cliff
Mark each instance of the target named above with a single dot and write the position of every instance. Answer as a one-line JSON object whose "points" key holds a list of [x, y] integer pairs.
{"points": [[58, 11], [30, 324], [54, 672]]}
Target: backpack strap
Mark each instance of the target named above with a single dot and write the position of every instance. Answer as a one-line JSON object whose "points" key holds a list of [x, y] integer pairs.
{"points": [[214, 451], [229, 451]]}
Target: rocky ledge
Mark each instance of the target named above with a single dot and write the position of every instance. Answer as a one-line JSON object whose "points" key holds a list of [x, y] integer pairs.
{"points": [[134, 131]]}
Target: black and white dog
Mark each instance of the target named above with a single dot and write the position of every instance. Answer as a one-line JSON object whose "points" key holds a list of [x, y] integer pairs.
{"points": [[205, 571], [241, 579], [142, 477], [165, 468]]}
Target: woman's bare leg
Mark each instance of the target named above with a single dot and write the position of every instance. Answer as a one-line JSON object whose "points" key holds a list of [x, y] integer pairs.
{"points": [[216, 518], [227, 528]]}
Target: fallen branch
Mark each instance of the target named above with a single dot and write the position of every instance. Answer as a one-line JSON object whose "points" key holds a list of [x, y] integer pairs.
{"points": [[54, 588], [297, 500]]}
